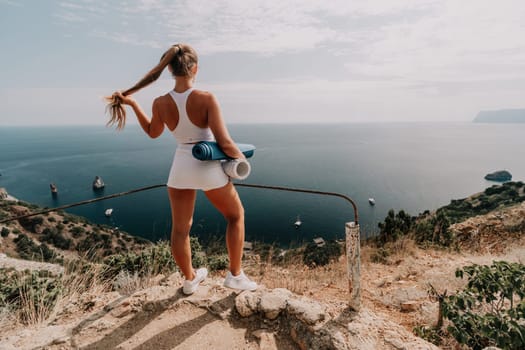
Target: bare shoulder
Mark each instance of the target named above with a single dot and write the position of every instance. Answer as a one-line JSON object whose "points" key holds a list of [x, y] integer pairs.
{"points": [[205, 97], [162, 100]]}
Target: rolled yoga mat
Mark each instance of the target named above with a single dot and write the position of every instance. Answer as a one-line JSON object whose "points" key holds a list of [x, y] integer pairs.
{"points": [[234, 168], [209, 150]]}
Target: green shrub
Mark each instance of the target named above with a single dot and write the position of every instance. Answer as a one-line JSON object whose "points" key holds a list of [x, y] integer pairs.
{"points": [[52, 236], [198, 257], [33, 294], [77, 231], [315, 255], [153, 260], [5, 232], [380, 255], [433, 335], [434, 229], [218, 262], [394, 226], [490, 310], [494, 189], [27, 249], [31, 222]]}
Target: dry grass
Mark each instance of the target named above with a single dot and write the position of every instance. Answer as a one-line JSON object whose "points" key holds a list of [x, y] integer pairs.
{"points": [[127, 284], [299, 278]]}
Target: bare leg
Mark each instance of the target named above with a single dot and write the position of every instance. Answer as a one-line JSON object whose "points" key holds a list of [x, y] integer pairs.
{"points": [[227, 201], [182, 205]]}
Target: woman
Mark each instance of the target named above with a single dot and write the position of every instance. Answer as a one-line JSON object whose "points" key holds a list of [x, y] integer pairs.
{"points": [[191, 115]]}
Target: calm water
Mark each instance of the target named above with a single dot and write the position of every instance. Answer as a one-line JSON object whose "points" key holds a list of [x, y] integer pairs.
{"points": [[403, 166]]}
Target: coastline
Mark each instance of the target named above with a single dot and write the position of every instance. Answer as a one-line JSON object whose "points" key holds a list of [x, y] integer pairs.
{"points": [[11, 198], [4, 195]]}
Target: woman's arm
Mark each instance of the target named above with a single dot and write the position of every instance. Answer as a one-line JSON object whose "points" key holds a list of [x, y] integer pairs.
{"points": [[152, 128], [218, 127]]}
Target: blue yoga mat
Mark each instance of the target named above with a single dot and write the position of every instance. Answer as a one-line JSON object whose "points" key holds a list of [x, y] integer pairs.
{"points": [[208, 150]]}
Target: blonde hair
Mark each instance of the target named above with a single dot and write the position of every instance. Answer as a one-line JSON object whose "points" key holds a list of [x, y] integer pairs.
{"points": [[180, 57]]}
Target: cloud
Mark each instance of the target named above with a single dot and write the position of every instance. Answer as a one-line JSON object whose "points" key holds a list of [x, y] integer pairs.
{"points": [[452, 45], [10, 3], [265, 27], [70, 17], [387, 59], [127, 39]]}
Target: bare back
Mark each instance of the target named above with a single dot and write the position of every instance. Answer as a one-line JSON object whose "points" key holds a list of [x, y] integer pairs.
{"points": [[197, 107]]}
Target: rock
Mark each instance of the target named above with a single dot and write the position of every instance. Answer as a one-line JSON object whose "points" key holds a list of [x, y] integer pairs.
{"points": [[247, 303], [174, 279], [266, 339], [409, 306], [274, 302], [307, 311], [500, 176], [122, 311], [158, 279]]}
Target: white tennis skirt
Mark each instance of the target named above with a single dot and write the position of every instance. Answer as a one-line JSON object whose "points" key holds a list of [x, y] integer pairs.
{"points": [[187, 172]]}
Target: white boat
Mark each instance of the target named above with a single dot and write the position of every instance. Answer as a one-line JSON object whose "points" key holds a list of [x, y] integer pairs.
{"points": [[372, 201], [108, 212], [98, 183], [297, 222]]}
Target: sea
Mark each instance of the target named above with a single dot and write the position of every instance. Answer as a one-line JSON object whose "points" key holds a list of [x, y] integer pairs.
{"points": [[409, 166]]}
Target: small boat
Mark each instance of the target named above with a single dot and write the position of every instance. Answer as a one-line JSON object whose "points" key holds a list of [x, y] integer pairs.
{"points": [[371, 201], [54, 189], [98, 183], [108, 212], [298, 222]]}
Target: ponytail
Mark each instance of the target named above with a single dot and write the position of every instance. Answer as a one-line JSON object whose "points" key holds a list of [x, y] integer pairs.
{"points": [[114, 106]]}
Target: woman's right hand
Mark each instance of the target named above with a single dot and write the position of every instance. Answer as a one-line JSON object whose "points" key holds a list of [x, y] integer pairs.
{"points": [[126, 100]]}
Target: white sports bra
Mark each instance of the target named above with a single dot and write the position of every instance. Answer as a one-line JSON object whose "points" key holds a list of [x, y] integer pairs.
{"points": [[186, 131]]}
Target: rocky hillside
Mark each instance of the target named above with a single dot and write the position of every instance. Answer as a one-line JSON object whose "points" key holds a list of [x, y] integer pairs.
{"points": [[55, 236], [296, 306]]}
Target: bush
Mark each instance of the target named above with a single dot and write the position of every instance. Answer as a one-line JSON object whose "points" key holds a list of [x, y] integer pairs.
{"points": [[27, 249], [494, 189], [153, 260], [394, 226], [218, 262], [490, 310], [197, 255], [433, 335], [434, 230], [33, 294], [380, 255], [77, 231], [55, 238], [315, 255], [31, 222], [5, 232]]}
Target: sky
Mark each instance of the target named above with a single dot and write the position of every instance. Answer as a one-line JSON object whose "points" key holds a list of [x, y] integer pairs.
{"points": [[272, 61]]}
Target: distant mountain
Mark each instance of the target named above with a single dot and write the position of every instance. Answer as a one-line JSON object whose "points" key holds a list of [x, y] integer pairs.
{"points": [[501, 116]]}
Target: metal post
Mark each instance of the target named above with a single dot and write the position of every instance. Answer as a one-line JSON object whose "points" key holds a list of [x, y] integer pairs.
{"points": [[353, 264]]}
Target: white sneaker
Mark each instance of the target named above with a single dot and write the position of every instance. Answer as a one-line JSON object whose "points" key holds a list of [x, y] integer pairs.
{"points": [[241, 282], [189, 287]]}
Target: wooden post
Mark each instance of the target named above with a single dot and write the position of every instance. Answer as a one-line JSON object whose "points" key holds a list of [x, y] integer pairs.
{"points": [[353, 264]]}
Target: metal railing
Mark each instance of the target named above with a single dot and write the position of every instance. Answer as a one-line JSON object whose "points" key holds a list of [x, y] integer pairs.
{"points": [[351, 228]]}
